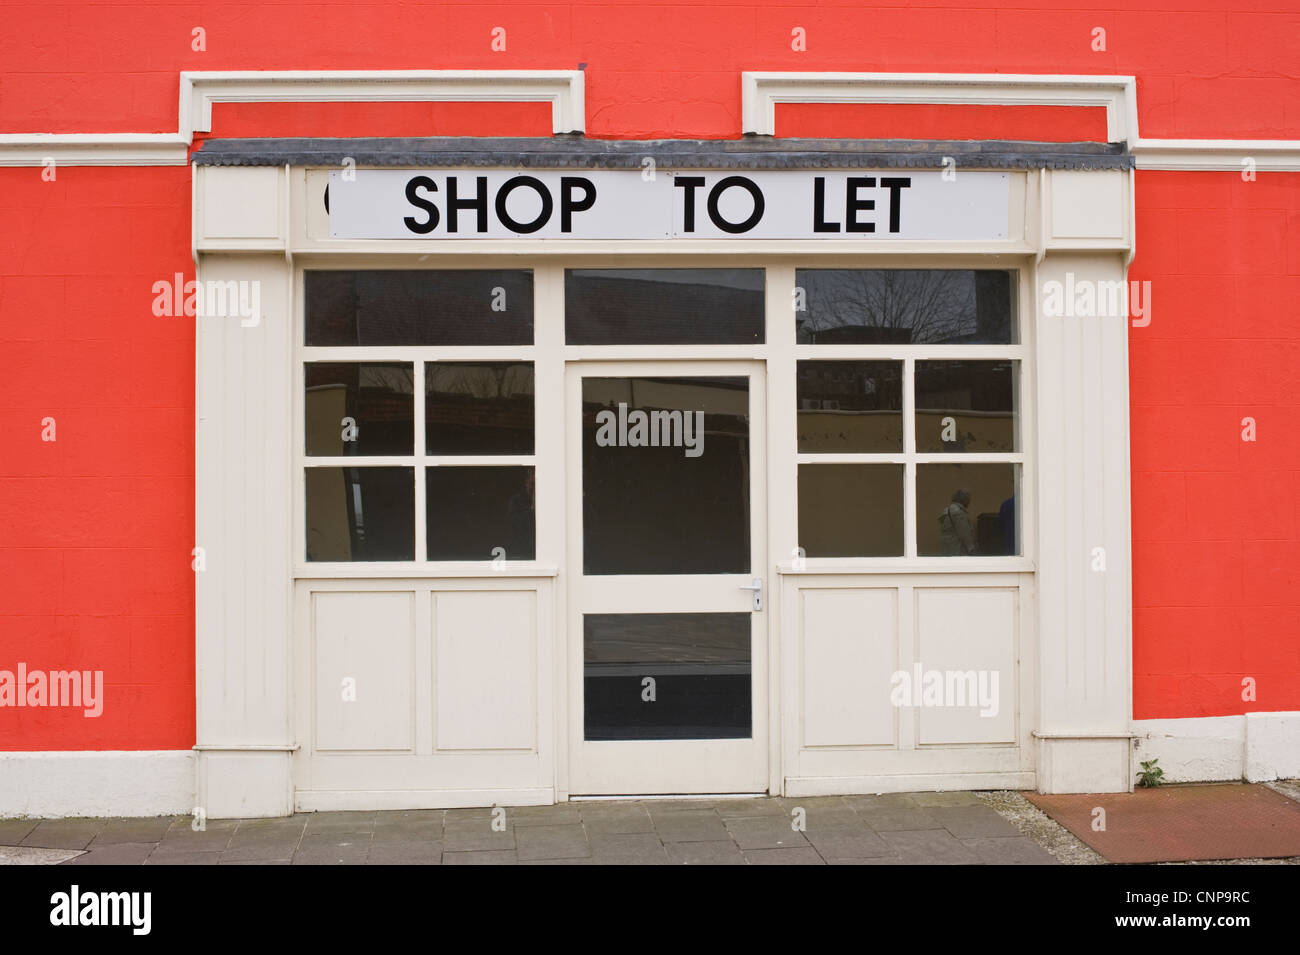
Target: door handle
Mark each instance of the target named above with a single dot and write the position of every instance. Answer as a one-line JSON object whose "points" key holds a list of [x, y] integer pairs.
{"points": [[757, 588]]}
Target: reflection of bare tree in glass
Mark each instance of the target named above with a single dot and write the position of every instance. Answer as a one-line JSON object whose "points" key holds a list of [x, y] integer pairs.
{"points": [[479, 381], [918, 306], [395, 379]]}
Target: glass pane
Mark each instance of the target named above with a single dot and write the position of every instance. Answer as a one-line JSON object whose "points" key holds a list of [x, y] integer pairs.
{"points": [[851, 510], [966, 405], [360, 513], [965, 509], [478, 407], [359, 407], [850, 406], [666, 676], [663, 306], [480, 513], [420, 307], [904, 307], [665, 470]]}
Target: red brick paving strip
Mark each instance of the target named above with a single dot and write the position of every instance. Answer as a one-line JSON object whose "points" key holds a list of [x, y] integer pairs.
{"points": [[1182, 823]]}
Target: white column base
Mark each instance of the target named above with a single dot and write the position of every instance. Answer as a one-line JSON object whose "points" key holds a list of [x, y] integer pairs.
{"points": [[1083, 765], [245, 784], [52, 785]]}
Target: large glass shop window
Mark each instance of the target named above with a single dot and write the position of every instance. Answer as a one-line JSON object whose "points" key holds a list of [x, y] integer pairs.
{"points": [[663, 306], [851, 405], [365, 456]]}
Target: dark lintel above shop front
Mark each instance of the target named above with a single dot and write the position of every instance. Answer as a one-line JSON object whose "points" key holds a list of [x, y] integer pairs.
{"points": [[563, 152]]}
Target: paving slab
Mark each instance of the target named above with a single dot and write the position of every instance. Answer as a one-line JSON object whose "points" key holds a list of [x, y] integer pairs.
{"points": [[476, 820], [264, 838], [804, 855], [764, 833], [484, 857], [341, 839], [928, 800], [885, 801], [694, 826], [184, 857], [875, 860], [929, 847], [704, 853], [740, 808], [216, 834], [24, 855], [275, 852], [259, 862], [135, 830], [829, 820], [425, 853], [343, 855], [118, 853], [899, 820], [865, 845], [973, 822], [335, 821], [629, 848], [544, 815], [1017, 851], [629, 819], [64, 833], [478, 841], [551, 842], [406, 832], [14, 831]]}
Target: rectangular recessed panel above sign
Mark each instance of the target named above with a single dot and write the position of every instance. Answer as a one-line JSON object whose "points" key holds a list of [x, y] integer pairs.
{"points": [[937, 204]]}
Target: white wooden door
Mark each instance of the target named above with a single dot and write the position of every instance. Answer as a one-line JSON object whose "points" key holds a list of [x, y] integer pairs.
{"points": [[667, 635]]}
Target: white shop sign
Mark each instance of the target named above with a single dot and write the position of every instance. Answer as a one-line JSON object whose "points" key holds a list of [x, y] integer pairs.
{"points": [[626, 204]]}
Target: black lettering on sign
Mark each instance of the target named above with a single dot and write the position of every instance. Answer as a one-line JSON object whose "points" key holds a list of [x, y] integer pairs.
{"points": [[415, 199], [715, 194], [568, 205], [479, 204], [532, 182], [895, 185], [690, 184], [853, 205], [819, 207]]}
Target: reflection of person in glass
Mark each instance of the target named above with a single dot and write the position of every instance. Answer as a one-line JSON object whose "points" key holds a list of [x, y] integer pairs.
{"points": [[955, 531], [1007, 521], [523, 522]]}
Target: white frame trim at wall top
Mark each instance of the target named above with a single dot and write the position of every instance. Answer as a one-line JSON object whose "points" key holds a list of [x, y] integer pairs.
{"points": [[563, 89], [762, 91]]}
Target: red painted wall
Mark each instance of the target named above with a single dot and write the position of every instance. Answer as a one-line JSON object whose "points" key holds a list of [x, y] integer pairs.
{"points": [[96, 527], [1216, 520]]}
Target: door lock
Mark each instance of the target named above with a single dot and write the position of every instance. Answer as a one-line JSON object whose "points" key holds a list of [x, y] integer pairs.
{"points": [[757, 588]]}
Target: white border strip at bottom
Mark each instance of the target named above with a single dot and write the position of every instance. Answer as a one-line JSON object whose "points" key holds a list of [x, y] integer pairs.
{"points": [[1257, 747], [809, 786], [111, 783], [365, 799]]}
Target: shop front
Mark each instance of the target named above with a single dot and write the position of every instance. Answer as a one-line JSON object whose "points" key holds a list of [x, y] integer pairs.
{"points": [[550, 468]]}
